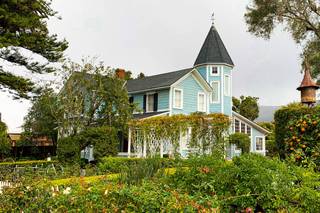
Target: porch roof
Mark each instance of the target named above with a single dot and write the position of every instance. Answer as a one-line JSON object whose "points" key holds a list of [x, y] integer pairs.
{"points": [[149, 115]]}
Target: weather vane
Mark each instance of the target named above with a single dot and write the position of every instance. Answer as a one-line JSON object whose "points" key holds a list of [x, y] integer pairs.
{"points": [[212, 18]]}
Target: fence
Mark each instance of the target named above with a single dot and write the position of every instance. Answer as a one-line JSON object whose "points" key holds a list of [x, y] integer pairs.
{"points": [[4, 184]]}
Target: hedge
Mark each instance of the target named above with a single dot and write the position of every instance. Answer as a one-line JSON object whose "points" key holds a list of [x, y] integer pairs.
{"points": [[31, 162], [282, 119]]}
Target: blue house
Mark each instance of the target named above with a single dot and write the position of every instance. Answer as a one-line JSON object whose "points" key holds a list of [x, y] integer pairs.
{"points": [[205, 87]]}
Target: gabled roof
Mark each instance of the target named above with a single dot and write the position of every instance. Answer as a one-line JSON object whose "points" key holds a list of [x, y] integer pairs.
{"points": [[213, 50], [156, 81], [248, 121]]}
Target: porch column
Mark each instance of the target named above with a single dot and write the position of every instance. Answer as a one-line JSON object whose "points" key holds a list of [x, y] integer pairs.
{"points": [[161, 148], [129, 143]]}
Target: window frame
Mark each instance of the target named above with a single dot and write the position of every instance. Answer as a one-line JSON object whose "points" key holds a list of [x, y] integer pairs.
{"points": [[263, 144], [147, 102], [174, 98], [228, 92], [219, 92], [204, 102], [211, 69]]}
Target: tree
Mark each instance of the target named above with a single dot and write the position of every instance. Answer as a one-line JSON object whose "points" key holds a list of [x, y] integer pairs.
{"points": [[23, 31], [42, 118], [246, 106], [92, 96], [141, 75], [5, 145], [300, 18]]}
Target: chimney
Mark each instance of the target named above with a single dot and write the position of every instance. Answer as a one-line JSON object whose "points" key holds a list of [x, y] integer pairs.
{"points": [[120, 73]]}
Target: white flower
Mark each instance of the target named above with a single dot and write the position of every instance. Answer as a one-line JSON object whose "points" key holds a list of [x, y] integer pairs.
{"points": [[28, 187], [106, 192], [67, 191]]}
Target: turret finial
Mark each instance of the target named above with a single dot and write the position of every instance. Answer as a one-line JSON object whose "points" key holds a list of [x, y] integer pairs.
{"points": [[212, 19]]}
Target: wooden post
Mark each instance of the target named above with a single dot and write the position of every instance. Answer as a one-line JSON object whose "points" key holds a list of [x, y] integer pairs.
{"points": [[144, 145], [129, 143], [161, 148]]}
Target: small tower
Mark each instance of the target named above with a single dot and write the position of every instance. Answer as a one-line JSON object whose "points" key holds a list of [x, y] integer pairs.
{"points": [[308, 88]]}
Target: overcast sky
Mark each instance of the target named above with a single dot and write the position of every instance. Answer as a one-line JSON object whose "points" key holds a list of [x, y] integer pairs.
{"points": [[158, 36]]}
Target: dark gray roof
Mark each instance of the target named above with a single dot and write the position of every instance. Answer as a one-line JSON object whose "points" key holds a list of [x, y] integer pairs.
{"points": [[156, 81], [213, 50], [147, 115]]}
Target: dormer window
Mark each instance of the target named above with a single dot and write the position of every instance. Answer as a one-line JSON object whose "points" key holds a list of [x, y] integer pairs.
{"points": [[214, 70]]}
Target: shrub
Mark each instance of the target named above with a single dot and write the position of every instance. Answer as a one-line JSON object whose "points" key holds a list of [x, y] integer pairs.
{"points": [[68, 149], [303, 140], [5, 145], [282, 119], [104, 140], [241, 140]]}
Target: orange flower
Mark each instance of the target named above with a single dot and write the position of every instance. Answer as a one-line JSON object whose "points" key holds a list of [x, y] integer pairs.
{"points": [[303, 129]]}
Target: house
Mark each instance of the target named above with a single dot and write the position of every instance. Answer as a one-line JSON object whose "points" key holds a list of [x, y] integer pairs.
{"points": [[205, 87]]}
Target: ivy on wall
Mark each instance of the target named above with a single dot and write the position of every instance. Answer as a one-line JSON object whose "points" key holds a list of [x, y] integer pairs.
{"points": [[207, 131]]}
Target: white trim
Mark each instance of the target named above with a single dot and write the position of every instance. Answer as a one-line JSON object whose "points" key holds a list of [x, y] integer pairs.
{"points": [[146, 90], [223, 64], [174, 98], [228, 94], [204, 99], [207, 73], [198, 77], [219, 91], [147, 102], [210, 70], [252, 124], [161, 114], [170, 101]]}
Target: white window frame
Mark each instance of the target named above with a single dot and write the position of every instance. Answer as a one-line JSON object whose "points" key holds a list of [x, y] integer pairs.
{"points": [[219, 92], [204, 102], [174, 98], [210, 71], [147, 102], [263, 144], [228, 92]]}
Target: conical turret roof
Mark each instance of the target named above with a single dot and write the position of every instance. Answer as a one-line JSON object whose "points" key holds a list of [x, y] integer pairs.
{"points": [[307, 80], [213, 50]]}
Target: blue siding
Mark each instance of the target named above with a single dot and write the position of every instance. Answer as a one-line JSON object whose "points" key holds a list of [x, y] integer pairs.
{"points": [[163, 100], [203, 71], [227, 105], [190, 89]]}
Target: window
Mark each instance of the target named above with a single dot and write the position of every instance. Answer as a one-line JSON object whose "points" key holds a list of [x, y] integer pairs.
{"points": [[227, 85], [259, 144], [201, 102], [150, 103], [243, 128], [214, 71], [216, 91], [236, 125], [178, 99], [248, 130]]}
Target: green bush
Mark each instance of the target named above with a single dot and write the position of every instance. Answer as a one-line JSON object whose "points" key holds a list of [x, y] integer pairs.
{"points": [[68, 150], [105, 141], [5, 145], [241, 140], [282, 119], [118, 164]]}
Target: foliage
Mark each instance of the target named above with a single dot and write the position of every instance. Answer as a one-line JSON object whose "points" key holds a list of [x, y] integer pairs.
{"points": [[118, 164], [246, 106], [207, 130], [300, 18], [271, 146], [68, 149], [249, 183], [104, 140], [241, 140], [141, 75], [282, 118], [5, 144], [303, 139], [41, 119], [92, 96], [24, 31]]}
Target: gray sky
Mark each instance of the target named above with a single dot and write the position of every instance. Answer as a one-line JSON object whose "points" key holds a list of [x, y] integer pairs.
{"points": [[166, 35]]}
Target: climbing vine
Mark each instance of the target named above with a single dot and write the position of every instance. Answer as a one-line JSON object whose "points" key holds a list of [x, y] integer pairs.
{"points": [[207, 131]]}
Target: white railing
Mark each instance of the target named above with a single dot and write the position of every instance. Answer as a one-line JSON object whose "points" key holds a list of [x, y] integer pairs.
{"points": [[4, 184]]}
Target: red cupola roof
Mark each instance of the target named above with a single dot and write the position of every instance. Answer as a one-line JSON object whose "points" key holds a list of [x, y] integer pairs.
{"points": [[307, 81]]}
